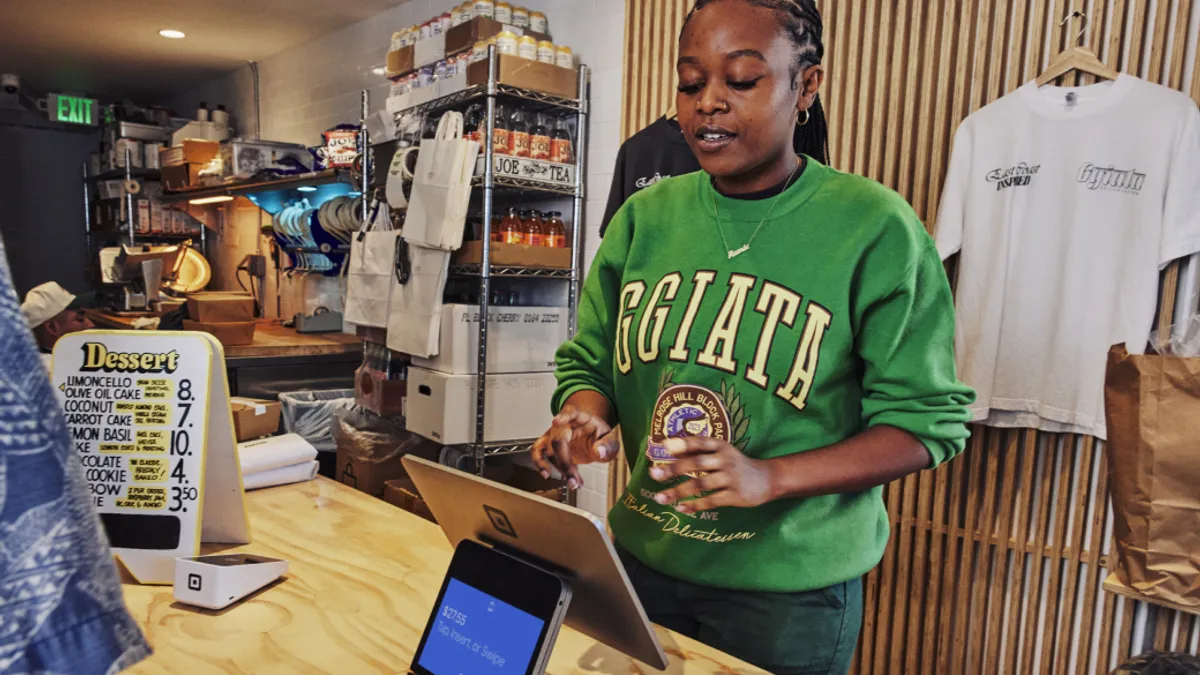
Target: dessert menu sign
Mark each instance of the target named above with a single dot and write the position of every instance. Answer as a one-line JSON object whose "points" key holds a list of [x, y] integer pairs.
{"points": [[150, 422]]}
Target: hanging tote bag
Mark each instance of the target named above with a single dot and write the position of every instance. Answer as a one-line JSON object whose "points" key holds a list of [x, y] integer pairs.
{"points": [[415, 321], [371, 269], [437, 209]]}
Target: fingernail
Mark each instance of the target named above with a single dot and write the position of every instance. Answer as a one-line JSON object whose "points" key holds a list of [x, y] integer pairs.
{"points": [[658, 474], [675, 445], [661, 498], [683, 509], [573, 483], [546, 474], [605, 452]]}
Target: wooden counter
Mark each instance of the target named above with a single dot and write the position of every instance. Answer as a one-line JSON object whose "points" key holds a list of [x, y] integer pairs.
{"points": [[363, 579], [270, 339]]}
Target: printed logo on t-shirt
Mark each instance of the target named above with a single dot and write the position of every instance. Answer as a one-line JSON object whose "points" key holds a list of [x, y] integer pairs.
{"points": [[646, 181], [1020, 175], [683, 411], [1111, 179]]}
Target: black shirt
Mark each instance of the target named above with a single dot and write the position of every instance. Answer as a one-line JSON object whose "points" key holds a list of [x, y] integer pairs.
{"points": [[659, 151]]}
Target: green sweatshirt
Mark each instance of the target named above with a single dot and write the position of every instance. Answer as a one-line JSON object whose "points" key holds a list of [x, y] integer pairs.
{"points": [[838, 317]]}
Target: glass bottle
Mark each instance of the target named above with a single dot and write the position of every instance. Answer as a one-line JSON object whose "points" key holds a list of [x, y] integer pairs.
{"points": [[512, 229], [535, 233], [539, 138], [500, 135], [518, 133], [561, 149], [556, 231], [474, 123]]}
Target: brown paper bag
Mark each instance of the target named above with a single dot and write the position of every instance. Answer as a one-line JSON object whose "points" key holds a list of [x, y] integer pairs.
{"points": [[1152, 406]]}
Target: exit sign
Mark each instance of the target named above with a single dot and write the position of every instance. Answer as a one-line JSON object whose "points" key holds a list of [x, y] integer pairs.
{"points": [[73, 109]]}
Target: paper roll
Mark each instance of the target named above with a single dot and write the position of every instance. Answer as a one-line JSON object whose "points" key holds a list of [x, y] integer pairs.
{"points": [[296, 473], [265, 454], [132, 187]]}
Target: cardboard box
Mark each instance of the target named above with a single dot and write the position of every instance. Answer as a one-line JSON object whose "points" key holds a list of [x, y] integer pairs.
{"points": [[180, 176], [379, 395], [518, 72], [515, 255], [402, 493], [520, 339], [441, 407], [220, 307], [365, 473], [254, 418], [191, 151], [231, 334], [458, 39], [464, 36]]}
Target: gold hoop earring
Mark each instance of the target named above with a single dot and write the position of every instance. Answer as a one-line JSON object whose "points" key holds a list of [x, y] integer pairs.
{"points": [[806, 118]]}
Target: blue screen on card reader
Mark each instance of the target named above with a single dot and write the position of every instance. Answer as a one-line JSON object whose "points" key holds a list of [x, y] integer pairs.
{"points": [[474, 632]]}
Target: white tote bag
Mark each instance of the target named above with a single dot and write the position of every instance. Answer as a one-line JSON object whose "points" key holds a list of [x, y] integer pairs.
{"points": [[415, 321], [437, 210], [371, 270]]}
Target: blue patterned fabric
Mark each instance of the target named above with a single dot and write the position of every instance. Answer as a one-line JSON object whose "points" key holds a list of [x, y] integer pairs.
{"points": [[61, 607]]}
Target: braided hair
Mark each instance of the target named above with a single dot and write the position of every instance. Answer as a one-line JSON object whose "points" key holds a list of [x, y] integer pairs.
{"points": [[802, 23]]}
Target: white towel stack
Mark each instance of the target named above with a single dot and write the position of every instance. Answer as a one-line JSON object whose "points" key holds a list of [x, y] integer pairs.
{"points": [[278, 460]]}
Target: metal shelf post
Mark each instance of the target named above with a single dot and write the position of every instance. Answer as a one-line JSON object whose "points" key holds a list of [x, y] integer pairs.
{"points": [[581, 118], [485, 268]]}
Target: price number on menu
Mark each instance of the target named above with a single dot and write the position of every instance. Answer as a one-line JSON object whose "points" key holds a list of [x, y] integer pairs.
{"points": [[181, 447], [454, 615]]}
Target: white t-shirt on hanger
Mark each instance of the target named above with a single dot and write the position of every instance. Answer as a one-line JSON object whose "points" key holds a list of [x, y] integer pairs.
{"points": [[1065, 202]]}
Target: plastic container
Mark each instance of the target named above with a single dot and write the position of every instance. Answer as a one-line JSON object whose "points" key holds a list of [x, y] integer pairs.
{"points": [[546, 52], [520, 17], [538, 23], [527, 47], [310, 414]]}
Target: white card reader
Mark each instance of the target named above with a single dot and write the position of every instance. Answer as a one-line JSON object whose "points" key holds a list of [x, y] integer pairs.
{"points": [[217, 581]]}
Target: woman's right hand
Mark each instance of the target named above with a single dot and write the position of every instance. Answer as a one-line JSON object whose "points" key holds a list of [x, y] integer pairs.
{"points": [[579, 434]]}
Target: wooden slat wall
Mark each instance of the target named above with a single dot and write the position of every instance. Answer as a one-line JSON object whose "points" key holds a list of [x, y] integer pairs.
{"points": [[996, 559]]}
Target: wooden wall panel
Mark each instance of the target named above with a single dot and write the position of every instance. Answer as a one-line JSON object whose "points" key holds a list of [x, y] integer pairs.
{"points": [[996, 559]]}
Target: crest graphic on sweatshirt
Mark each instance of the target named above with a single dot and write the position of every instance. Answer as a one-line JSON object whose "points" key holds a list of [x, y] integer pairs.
{"points": [[687, 410]]}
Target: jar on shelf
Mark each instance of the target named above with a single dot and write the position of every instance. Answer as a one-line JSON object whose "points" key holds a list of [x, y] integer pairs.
{"points": [[564, 57], [538, 23], [503, 12], [527, 47], [520, 17], [506, 42], [462, 13], [546, 52], [485, 8]]}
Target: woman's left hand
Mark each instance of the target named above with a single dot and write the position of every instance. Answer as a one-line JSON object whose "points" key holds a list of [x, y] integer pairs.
{"points": [[730, 477]]}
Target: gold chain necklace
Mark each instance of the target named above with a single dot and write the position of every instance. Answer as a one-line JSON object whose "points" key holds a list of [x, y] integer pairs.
{"points": [[733, 253]]}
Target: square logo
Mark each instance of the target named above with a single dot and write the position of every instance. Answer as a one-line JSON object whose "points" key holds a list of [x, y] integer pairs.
{"points": [[500, 521], [193, 582]]}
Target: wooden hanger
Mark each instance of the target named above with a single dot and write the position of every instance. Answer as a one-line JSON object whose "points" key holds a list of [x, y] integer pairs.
{"points": [[1077, 57]]}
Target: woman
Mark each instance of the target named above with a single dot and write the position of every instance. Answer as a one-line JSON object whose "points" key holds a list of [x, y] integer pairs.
{"points": [[775, 340]]}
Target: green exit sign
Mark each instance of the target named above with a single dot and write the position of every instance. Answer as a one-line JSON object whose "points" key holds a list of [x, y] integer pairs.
{"points": [[73, 109]]}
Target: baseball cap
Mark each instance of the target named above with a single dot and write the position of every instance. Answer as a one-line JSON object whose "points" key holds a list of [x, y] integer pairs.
{"points": [[45, 302]]}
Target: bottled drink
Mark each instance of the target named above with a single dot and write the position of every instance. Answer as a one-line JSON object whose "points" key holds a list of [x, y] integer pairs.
{"points": [[556, 231], [518, 133], [561, 149], [535, 234], [496, 226], [512, 230], [539, 138], [500, 136], [474, 123]]}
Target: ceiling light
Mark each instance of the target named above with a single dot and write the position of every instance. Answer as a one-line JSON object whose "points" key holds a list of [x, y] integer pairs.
{"points": [[306, 188], [379, 71], [210, 200], [171, 33]]}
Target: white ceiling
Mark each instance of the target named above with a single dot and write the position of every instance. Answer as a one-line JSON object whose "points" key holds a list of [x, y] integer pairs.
{"points": [[111, 48]]}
